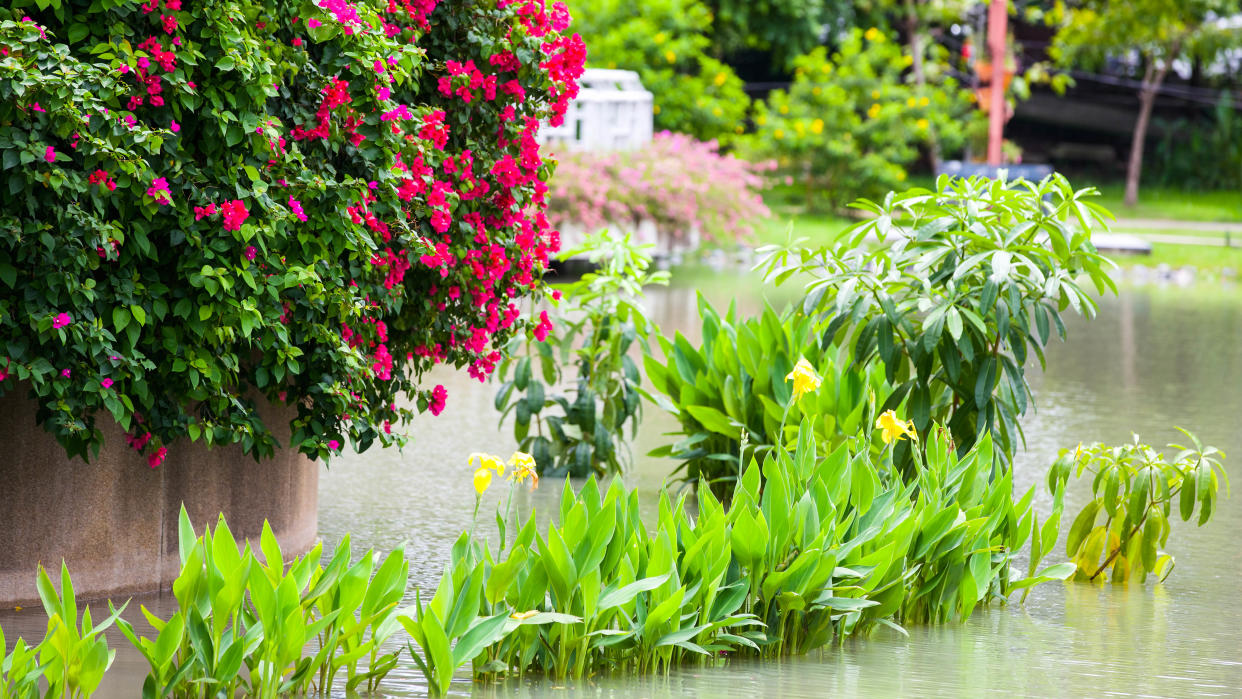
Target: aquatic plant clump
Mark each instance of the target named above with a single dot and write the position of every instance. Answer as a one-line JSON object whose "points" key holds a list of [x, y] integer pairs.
{"points": [[211, 203], [818, 549]]}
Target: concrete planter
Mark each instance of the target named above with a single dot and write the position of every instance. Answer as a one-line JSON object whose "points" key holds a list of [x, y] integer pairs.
{"points": [[114, 521]]}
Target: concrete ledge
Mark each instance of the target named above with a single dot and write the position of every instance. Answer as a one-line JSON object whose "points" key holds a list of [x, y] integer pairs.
{"points": [[114, 521]]}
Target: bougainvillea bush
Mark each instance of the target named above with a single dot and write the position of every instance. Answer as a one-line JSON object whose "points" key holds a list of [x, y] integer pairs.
{"points": [[210, 203], [677, 182]]}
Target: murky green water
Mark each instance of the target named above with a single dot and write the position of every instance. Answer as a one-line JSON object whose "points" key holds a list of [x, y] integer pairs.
{"points": [[1153, 359]]}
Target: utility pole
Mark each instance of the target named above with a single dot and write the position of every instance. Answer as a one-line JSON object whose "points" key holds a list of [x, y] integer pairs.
{"points": [[998, 19]]}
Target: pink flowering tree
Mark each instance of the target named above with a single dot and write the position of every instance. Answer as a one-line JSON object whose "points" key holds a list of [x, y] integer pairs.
{"points": [[209, 203]]}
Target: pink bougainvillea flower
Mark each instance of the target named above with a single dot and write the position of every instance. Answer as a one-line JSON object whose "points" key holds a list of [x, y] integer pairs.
{"points": [[296, 207], [332, 443], [544, 327], [61, 320], [50, 154], [157, 458], [251, 252], [175, 126], [312, 23], [66, 373], [235, 214], [159, 191], [297, 41], [38, 108], [438, 397], [106, 383]]}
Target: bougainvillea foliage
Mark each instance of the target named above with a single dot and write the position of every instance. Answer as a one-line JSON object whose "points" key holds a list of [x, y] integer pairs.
{"points": [[212, 204]]}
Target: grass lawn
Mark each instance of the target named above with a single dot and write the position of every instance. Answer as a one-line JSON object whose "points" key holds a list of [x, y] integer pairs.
{"points": [[818, 229], [1159, 203], [1209, 259]]}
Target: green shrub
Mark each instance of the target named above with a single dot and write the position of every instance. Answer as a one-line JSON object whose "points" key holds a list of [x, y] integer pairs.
{"points": [[217, 202], [666, 42], [1127, 521], [850, 124], [953, 289], [596, 324], [734, 384]]}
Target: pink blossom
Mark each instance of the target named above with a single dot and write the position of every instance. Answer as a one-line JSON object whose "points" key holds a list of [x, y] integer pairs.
{"points": [[158, 457], [159, 191], [65, 373], [544, 327], [296, 207], [235, 214], [297, 41], [50, 154], [175, 126], [251, 252], [332, 443], [106, 383], [438, 398], [312, 23], [37, 108], [61, 320]]}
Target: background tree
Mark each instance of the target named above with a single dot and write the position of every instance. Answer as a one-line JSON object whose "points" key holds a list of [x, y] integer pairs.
{"points": [[1154, 32], [782, 28]]}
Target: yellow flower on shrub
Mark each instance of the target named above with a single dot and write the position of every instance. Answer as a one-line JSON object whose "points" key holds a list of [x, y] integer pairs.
{"points": [[874, 111], [778, 134], [817, 126], [670, 56], [892, 429], [922, 124], [660, 38], [923, 101], [804, 378], [784, 109], [875, 94], [911, 102], [720, 79], [873, 34]]}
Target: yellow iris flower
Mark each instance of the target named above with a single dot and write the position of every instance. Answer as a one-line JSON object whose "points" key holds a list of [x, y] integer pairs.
{"points": [[893, 429], [490, 461], [804, 378]]}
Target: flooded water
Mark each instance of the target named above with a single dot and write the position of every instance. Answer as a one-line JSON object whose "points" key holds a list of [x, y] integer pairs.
{"points": [[1153, 359]]}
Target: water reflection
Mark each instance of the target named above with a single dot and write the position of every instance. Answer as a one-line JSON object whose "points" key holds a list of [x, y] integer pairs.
{"points": [[1153, 359]]}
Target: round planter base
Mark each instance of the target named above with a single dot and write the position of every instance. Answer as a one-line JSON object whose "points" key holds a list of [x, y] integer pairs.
{"points": [[114, 520]]}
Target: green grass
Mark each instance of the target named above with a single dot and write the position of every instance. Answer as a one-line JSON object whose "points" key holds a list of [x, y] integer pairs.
{"points": [[1161, 203], [819, 229], [1208, 259]]}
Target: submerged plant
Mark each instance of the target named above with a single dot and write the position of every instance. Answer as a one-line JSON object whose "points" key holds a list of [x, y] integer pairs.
{"points": [[1124, 527], [576, 431]]}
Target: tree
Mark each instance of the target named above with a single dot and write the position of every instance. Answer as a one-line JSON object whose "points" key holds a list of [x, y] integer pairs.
{"points": [[1155, 32], [784, 28]]}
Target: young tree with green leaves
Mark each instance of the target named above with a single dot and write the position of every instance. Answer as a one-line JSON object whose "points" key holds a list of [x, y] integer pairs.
{"points": [[1156, 32]]}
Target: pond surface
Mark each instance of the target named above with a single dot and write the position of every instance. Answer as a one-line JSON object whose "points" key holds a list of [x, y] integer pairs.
{"points": [[1154, 358]]}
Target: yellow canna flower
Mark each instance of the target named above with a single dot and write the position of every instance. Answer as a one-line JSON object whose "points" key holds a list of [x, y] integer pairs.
{"points": [[893, 429], [523, 465], [494, 463], [482, 479], [520, 616], [804, 378]]}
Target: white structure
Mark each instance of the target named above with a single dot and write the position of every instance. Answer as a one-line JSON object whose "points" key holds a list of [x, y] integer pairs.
{"points": [[612, 112]]}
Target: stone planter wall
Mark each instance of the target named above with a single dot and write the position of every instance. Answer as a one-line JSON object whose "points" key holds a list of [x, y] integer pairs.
{"points": [[114, 520]]}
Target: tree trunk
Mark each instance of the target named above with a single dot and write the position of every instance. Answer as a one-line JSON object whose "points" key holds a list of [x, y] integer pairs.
{"points": [[1153, 78], [920, 78]]}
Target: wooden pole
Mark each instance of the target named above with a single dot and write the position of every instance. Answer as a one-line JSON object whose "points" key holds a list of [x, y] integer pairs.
{"points": [[998, 19]]}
